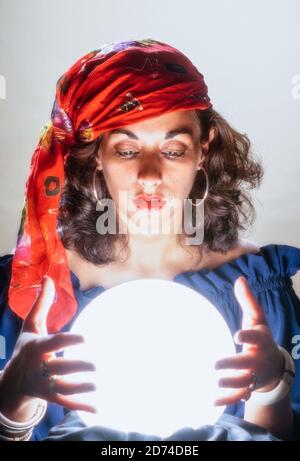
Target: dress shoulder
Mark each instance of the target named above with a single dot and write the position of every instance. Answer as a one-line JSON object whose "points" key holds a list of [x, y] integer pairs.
{"points": [[273, 264], [273, 259]]}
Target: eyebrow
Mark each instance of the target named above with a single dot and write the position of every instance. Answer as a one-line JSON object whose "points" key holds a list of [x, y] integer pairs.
{"points": [[169, 134]]}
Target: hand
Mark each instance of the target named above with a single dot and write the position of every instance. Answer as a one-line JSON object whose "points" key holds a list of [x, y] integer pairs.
{"points": [[260, 354], [22, 381]]}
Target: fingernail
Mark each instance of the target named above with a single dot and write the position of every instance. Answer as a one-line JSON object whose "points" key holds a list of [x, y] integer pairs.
{"points": [[237, 338], [79, 340], [45, 279], [92, 387]]}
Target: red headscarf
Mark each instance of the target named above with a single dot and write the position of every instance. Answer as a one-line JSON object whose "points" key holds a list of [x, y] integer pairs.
{"points": [[121, 83]]}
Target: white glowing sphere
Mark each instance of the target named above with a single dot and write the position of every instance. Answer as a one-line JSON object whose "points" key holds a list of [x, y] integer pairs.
{"points": [[154, 343]]}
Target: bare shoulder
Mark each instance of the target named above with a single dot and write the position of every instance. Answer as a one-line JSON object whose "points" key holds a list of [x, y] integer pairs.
{"points": [[214, 259], [248, 246]]}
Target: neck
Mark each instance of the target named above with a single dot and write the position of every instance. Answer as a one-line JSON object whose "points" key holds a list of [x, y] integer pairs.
{"points": [[153, 252], [147, 257]]}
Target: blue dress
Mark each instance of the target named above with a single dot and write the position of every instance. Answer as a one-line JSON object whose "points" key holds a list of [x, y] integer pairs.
{"points": [[269, 276]]}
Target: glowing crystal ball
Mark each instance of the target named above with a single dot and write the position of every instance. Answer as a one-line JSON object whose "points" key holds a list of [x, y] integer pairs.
{"points": [[154, 343]]}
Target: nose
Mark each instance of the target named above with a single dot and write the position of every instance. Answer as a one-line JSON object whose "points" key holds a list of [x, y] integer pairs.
{"points": [[150, 175]]}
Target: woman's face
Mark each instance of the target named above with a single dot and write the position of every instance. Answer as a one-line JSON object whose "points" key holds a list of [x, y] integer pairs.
{"points": [[158, 157]]}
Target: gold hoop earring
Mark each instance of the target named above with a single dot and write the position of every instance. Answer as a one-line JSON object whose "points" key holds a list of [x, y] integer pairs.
{"points": [[94, 188], [206, 189]]}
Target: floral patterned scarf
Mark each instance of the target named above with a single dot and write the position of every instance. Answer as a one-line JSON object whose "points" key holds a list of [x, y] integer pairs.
{"points": [[119, 84]]}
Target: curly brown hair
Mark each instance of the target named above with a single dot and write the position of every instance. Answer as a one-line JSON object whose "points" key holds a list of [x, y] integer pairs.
{"points": [[228, 208]]}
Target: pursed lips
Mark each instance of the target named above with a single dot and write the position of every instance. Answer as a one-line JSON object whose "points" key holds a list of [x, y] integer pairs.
{"points": [[149, 201]]}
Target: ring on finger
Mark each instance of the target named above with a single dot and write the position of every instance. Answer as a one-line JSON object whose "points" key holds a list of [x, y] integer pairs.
{"points": [[44, 369], [250, 388], [246, 395], [254, 381], [52, 387]]}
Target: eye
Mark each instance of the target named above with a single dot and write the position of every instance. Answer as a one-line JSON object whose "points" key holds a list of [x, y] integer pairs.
{"points": [[126, 154], [173, 154]]}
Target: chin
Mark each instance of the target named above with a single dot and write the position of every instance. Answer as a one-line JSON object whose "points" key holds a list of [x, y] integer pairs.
{"points": [[150, 222], [144, 228]]}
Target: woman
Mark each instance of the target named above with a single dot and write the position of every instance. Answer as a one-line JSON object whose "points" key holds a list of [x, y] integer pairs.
{"points": [[135, 118]]}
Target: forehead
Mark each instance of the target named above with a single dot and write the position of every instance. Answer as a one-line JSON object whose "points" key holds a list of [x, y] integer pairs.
{"points": [[184, 122]]}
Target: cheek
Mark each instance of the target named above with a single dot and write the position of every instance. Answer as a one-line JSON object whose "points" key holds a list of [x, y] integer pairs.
{"points": [[118, 178], [183, 179]]}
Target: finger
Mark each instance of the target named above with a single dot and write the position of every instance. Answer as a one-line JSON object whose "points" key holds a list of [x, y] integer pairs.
{"points": [[231, 399], [61, 366], [236, 362], [65, 388], [72, 404], [236, 382], [254, 337], [36, 321], [58, 342], [252, 312]]}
